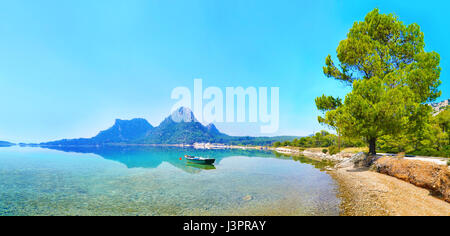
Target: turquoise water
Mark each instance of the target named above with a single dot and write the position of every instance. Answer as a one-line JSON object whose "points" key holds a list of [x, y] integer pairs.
{"points": [[154, 181]]}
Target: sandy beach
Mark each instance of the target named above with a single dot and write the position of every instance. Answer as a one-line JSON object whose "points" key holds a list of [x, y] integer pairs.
{"points": [[365, 192], [368, 193]]}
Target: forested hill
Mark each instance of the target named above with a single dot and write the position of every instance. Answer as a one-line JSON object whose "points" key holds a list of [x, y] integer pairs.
{"points": [[181, 127]]}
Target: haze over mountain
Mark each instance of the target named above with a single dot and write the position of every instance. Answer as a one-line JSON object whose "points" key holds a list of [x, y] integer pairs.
{"points": [[181, 127], [6, 144], [124, 131]]}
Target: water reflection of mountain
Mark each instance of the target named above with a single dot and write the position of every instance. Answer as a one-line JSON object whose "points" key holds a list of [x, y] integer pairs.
{"points": [[152, 157]]}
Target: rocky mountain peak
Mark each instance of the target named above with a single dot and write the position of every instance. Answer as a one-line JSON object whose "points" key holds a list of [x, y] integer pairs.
{"points": [[183, 114]]}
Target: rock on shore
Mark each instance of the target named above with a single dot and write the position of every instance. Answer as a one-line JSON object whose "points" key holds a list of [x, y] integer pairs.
{"points": [[358, 160], [386, 185], [339, 157], [420, 173]]}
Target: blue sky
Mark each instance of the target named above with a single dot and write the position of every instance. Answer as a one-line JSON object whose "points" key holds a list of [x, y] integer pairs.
{"points": [[70, 68]]}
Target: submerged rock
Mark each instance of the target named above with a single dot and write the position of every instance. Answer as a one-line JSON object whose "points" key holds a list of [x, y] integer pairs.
{"points": [[247, 198]]}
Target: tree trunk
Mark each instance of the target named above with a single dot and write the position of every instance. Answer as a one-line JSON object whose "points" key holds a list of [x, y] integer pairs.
{"points": [[339, 142], [372, 146]]}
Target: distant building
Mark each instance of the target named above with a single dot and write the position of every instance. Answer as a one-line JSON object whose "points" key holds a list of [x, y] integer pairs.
{"points": [[439, 106], [210, 146]]}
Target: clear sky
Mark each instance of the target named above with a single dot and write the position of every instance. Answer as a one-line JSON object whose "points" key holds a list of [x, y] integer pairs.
{"points": [[70, 68]]}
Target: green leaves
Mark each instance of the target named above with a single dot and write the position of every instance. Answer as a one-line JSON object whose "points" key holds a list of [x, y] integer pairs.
{"points": [[326, 103], [391, 74], [331, 71]]}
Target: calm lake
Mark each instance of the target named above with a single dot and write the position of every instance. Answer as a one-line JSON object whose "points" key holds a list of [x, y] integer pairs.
{"points": [[154, 181]]}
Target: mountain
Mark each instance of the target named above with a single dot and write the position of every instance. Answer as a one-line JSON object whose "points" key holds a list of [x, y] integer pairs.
{"points": [[6, 144], [212, 129], [182, 114], [123, 131], [181, 127]]}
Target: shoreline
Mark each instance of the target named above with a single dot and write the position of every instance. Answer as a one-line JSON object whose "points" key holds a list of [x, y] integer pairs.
{"points": [[368, 193], [364, 192]]}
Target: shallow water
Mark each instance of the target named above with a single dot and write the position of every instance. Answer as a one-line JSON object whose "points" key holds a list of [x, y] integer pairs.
{"points": [[154, 181]]}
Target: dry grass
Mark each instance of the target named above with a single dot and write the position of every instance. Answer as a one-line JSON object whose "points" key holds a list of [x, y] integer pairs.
{"points": [[319, 149], [349, 150], [293, 148], [346, 150], [356, 149]]}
